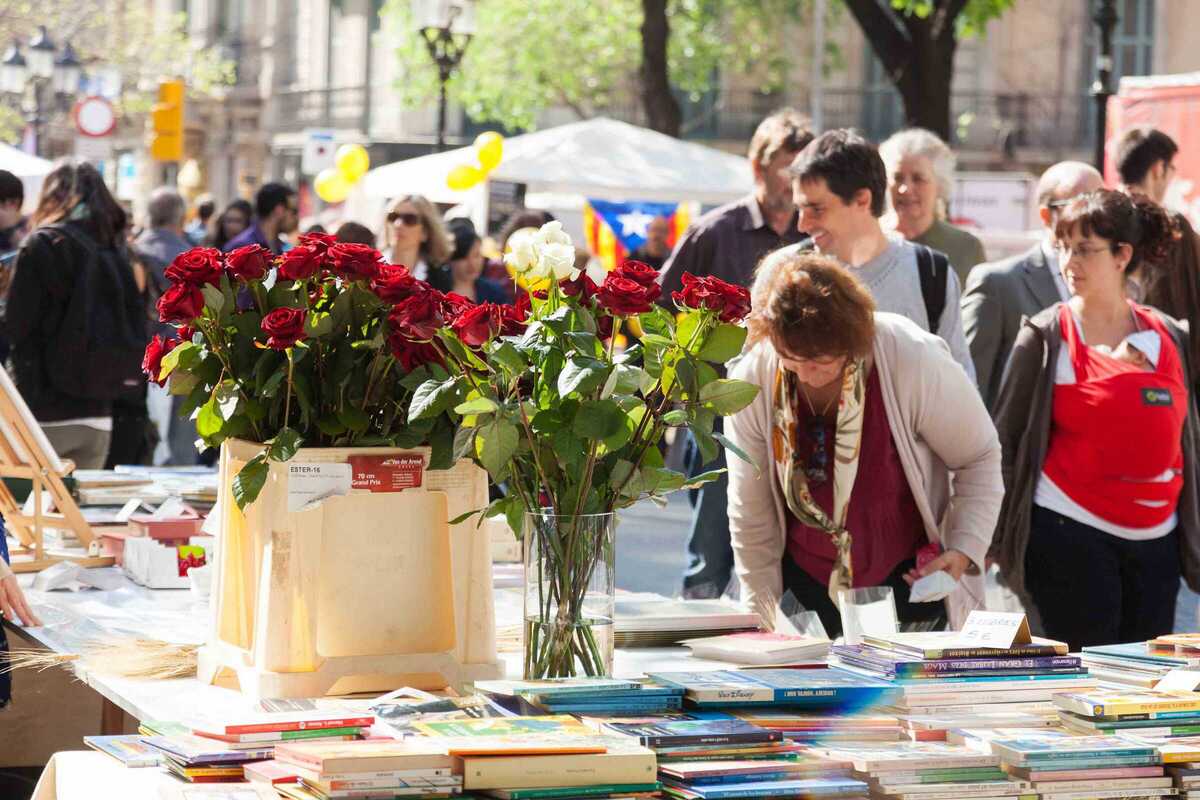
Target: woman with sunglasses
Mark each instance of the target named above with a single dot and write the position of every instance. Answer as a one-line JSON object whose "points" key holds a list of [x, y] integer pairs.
{"points": [[1099, 437], [868, 445], [415, 236]]}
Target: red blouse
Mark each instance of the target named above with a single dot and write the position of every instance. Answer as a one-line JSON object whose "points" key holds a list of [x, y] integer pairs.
{"points": [[884, 522]]}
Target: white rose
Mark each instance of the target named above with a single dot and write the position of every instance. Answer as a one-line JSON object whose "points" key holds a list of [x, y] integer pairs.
{"points": [[521, 255], [552, 233], [596, 271], [558, 260]]}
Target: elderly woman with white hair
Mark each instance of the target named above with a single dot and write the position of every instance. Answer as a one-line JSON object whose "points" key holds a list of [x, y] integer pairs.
{"points": [[920, 169]]}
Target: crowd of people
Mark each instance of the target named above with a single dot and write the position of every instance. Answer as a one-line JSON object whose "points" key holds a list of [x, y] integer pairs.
{"points": [[921, 409]]}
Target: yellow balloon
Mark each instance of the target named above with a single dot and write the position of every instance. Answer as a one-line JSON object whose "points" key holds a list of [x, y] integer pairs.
{"points": [[464, 176], [352, 162], [331, 186], [490, 147]]}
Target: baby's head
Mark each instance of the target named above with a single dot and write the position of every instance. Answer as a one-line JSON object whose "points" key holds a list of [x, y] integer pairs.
{"points": [[1131, 355]]}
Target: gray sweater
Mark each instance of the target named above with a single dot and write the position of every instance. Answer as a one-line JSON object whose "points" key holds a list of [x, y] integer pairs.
{"points": [[895, 284]]}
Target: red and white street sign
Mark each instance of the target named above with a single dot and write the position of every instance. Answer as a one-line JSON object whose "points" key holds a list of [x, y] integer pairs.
{"points": [[95, 117]]}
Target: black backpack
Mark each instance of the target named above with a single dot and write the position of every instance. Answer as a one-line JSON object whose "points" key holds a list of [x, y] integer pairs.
{"points": [[97, 352], [932, 266]]}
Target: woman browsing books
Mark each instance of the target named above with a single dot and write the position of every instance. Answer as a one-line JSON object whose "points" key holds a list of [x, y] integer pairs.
{"points": [[871, 443], [1099, 438]]}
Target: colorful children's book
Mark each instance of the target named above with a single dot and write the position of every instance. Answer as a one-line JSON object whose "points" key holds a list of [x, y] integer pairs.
{"points": [[552, 725], [806, 788], [1102, 703], [198, 750], [129, 750]]}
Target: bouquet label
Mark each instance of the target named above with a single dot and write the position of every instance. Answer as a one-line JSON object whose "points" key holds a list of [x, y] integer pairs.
{"points": [[392, 473], [309, 484]]}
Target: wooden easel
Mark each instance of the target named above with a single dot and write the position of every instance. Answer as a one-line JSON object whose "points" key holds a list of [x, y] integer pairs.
{"points": [[25, 452]]}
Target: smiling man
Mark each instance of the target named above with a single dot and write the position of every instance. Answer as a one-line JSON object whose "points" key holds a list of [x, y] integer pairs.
{"points": [[839, 184]]}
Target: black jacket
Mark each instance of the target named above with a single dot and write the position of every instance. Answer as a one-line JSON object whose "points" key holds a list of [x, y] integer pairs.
{"points": [[43, 281]]}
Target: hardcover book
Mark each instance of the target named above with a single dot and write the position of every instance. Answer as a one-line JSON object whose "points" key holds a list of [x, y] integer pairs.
{"points": [[695, 732], [815, 688], [946, 644]]}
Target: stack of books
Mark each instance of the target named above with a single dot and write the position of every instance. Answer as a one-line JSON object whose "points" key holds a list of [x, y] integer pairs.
{"points": [[587, 696], [760, 648], [1139, 665], [546, 757], [650, 620], [928, 771], [943, 725], [1146, 714], [363, 769], [809, 689], [197, 759], [818, 728], [943, 685], [1187, 779], [1060, 766]]}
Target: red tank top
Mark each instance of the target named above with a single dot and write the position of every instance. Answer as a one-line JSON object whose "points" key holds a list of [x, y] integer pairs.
{"points": [[1117, 429]]}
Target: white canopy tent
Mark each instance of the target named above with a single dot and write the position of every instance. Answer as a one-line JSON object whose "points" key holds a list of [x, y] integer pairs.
{"points": [[599, 158], [30, 169]]}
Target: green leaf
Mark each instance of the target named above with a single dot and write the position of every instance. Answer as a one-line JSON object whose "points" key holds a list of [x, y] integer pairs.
{"points": [[581, 374], [739, 452], [479, 405], [705, 441], [213, 298], [696, 481], [354, 418], [227, 398], [284, 446], [250, 480], [629, 378], [464, 441], [271, 386], [723, 343], [208, 420], [441, 446], [675, 417], [495, 445], [657, 321], [585, 343], [431, 398], [728, 396], [685, 333], [171, 360], [600, 419], [507, 356], [330, 426], [318, 323]]}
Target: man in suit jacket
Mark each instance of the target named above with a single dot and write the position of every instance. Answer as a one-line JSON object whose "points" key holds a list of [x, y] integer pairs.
{"points": [[999, 294]]}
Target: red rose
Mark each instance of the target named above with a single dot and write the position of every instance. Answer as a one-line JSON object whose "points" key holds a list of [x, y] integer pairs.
{"points": [[412, 354], [249, 263], [478, 324], [393, 282], [302, 261], [318, 241], [454, 305], [152, 360], [418, 316], [284, 327], [582, 287], [513, 319], [355, 262], [185, 333], [731, 302], [639, 273], [182, 302], [623, 296], [197, 266]]}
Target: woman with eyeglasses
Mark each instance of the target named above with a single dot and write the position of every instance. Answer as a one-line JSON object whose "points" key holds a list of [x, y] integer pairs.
{"points": [[415, 236], [1099, 437], [868, 445]]}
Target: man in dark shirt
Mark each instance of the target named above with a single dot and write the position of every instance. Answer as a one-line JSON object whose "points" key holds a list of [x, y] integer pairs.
{"points": [[728, 242], [275, 212], [12, 223], [656, 248]]}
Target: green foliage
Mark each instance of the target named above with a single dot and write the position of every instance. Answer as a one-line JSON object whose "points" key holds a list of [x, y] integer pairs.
{"points": [[530, 55], [971, 21]]}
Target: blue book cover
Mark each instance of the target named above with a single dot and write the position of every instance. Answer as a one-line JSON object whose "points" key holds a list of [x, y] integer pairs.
{"points": [[632, 708], [833, 787], [810, 688], [888, 661], [1060, 747], [645, 693], [1138, 651], [695, 732]]}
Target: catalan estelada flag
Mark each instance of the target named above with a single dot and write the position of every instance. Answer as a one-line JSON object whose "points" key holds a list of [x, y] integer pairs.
{"points": [[614, 230]]}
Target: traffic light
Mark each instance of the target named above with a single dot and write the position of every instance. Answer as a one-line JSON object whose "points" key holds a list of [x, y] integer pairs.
{"points": [[167, 118]]}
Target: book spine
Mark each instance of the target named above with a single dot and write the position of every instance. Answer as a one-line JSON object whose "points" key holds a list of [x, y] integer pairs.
{"points": [[348, 784], [740, 695], [582, 791], [1050, 757], [280, 727], [544, 772], [396, 776], [279, 736], [755, 737], [987, 664], [1033, 651]]}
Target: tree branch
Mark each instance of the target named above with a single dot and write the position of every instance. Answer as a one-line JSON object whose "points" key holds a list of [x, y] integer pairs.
{"points": [[880, 27], [945, 17]]}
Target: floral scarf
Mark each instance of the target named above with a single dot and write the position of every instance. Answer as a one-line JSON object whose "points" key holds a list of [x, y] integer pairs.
{"points": [[846, 449]]}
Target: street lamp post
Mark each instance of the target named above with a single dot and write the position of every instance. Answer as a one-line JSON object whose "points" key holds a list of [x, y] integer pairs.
{"points": [[1106, 20], [40, 77], [447, 27]]}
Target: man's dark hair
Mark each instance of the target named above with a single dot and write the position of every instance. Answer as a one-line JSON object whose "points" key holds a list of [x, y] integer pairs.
{"points": [[11, 188], [846, 162], [1139, 150], [206, 206], [270, 196]]}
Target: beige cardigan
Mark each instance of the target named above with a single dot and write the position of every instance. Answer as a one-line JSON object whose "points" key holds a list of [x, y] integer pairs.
{"points": [[940, 427]]}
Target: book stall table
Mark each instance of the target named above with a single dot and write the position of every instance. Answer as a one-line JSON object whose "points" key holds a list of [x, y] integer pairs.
{"points": [[72, 618]]}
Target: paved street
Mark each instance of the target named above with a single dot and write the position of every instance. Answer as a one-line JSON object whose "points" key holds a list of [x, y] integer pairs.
{"points": [[651, 546]]}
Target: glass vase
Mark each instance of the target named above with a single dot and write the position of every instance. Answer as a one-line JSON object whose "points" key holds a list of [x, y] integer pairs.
{"points": [[568, 629]]}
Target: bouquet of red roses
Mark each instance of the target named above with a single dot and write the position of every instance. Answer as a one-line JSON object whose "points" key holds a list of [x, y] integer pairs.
{"points": [[299, 350]]}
